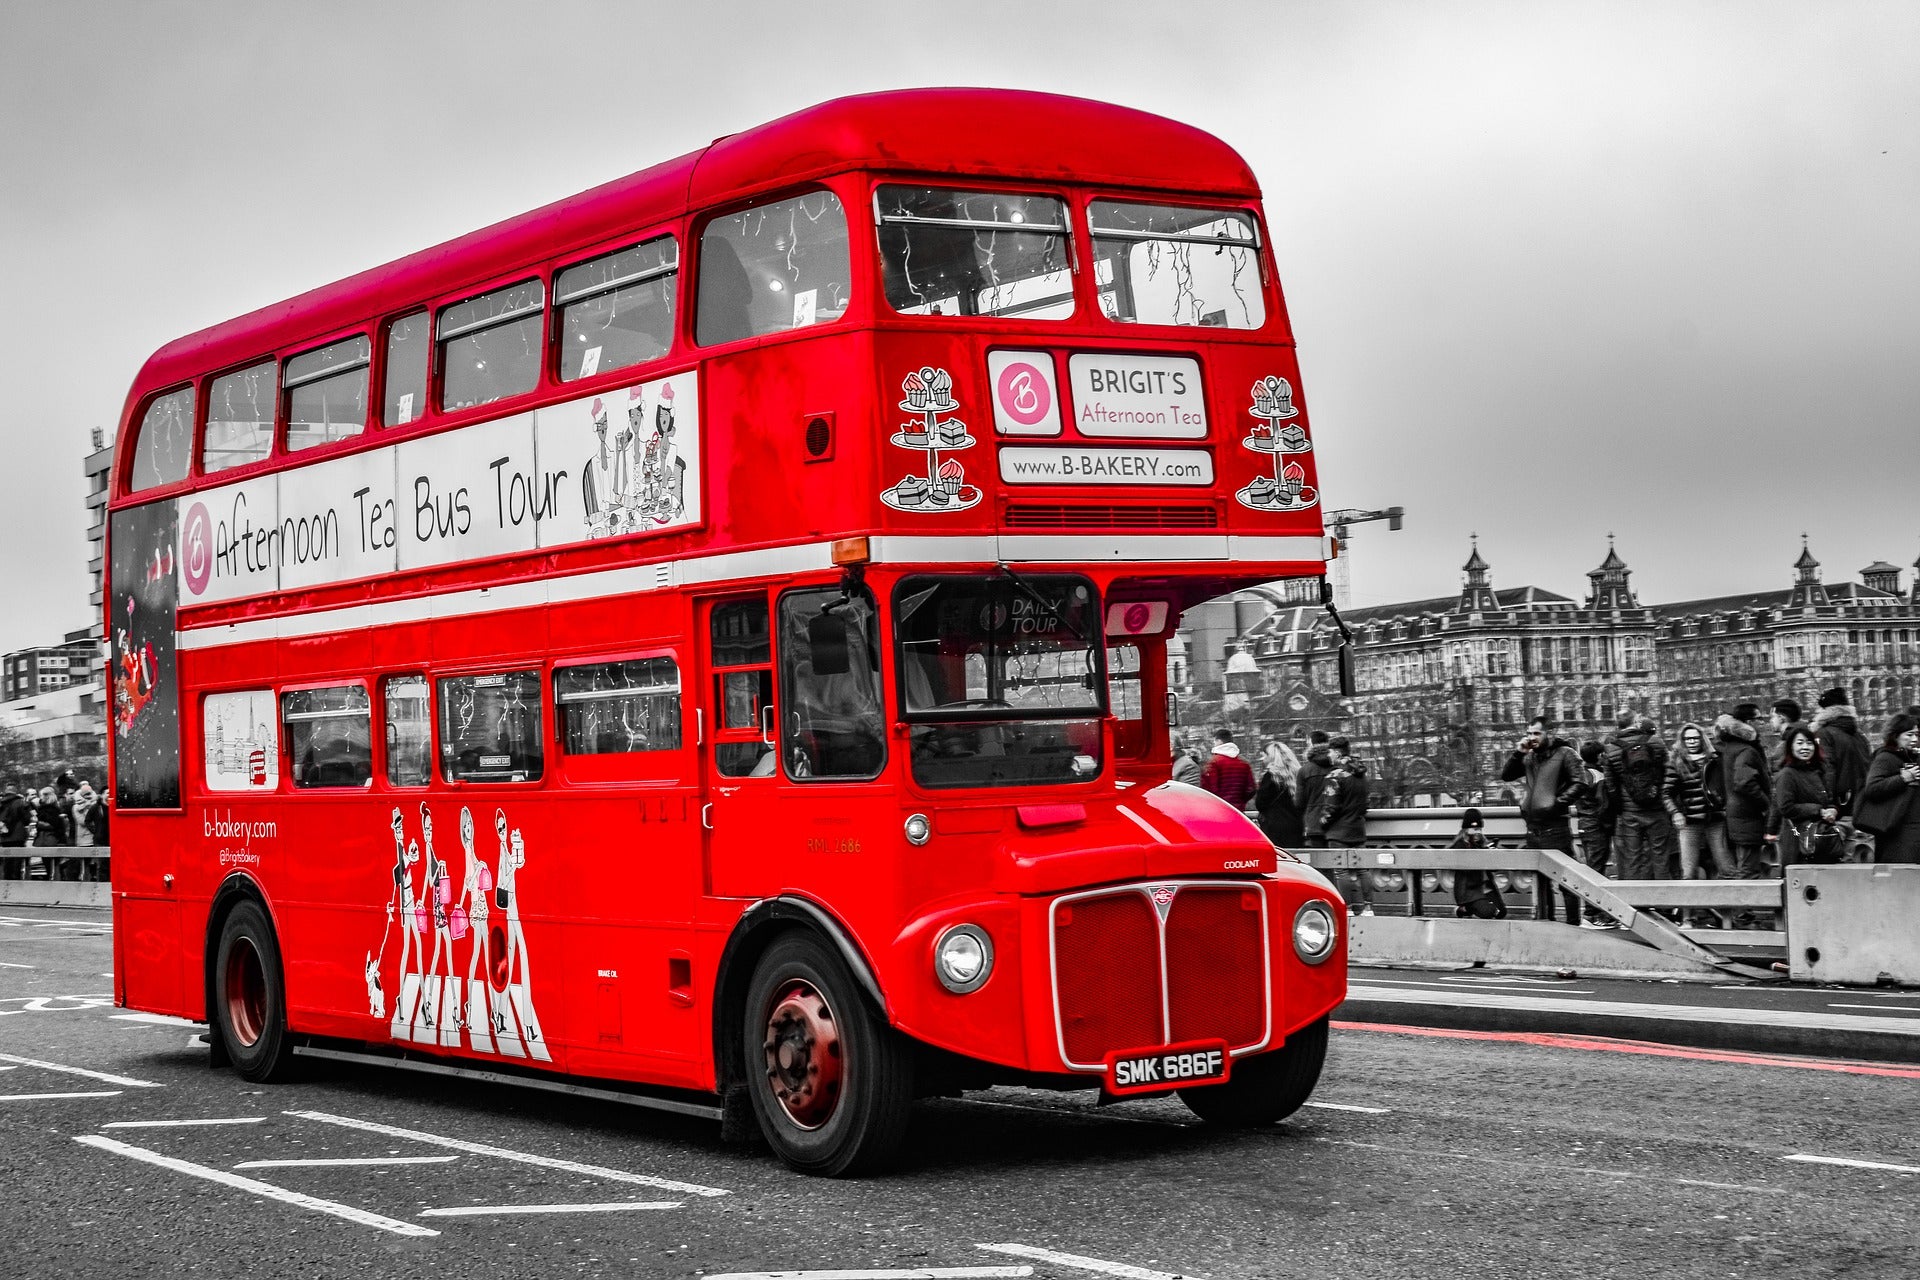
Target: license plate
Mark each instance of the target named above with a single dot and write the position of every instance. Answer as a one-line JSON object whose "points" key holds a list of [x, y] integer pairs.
{"points": [[1174, 1066]]}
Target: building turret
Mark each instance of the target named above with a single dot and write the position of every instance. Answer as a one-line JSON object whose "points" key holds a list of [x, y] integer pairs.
{"points": [[1476, 595], [1608, 585], [1915, 597], [1881, 576], [1807, 587]]}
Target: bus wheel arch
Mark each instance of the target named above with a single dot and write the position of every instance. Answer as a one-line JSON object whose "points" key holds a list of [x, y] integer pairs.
{"points": [[254, 981], [758, 928]]}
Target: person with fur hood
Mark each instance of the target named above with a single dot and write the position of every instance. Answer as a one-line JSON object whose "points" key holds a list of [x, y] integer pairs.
{"points": [[1843, 748], [1697, 783], [1226, 774], [1890, 800], [1749, 789]]}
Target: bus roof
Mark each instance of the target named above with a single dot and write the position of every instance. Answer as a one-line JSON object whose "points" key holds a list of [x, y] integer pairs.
{"points": [[999, 132]]}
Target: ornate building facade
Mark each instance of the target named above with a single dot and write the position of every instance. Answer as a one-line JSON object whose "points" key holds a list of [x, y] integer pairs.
{"points": [[1447, 685]]}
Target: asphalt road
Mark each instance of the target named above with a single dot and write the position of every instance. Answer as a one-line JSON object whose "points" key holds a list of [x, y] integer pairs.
{"points": [[1427, 1154]]}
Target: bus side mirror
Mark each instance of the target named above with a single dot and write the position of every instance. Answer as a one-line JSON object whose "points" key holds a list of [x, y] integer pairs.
{"points": [[827, 641], [1347, 689]]}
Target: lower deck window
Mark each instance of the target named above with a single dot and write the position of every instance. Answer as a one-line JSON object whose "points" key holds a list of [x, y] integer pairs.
{"points": [[490, 729], [329, 736], [610, 708]]}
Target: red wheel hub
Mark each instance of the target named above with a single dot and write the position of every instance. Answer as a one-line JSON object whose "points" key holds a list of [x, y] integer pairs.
{"points": [[246, 990], [805, 1066]]}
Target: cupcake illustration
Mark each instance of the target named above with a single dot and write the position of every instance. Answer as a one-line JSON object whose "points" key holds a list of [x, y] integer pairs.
{"points": [[916, 388], [1292, 477], [951, 474], [939, 390], [1273, 398]]}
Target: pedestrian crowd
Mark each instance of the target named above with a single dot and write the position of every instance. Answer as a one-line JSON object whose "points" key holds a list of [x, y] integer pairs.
{"points": [[1711, 802], [65, 813]]}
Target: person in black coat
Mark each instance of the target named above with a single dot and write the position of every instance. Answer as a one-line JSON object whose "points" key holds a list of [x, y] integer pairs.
{"points": [[1889, 805], [1275, 800], [1843, 748], [1749, 791], [1800, 795]]}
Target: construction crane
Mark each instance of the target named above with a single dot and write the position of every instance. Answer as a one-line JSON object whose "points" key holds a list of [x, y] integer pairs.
{"points": [[1339, 524]]}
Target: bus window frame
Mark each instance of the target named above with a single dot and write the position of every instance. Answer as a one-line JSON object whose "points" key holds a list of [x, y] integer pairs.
{"points": [[287, 785], [862, 269], [1079, 249], [377, 391], [466, 671], [620, 767], [679, 341], [538, 272], [880, 644], [382, 781], [369, 422], [137, 423], [203, 411], [1272, 328]]}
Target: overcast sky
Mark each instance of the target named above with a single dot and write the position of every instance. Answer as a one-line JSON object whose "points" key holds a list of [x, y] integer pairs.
{"points": [[1554, 269]]}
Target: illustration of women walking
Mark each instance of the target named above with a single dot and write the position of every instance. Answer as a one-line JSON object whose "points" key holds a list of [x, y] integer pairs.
{"points": [[440, 998], [412, 947], [474, 894], [519, 984]]}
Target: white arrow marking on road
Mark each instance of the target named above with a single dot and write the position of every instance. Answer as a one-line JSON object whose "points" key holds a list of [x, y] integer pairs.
{"points": [[181, 1124], [101, 1076], [36, 1097], [1854, 1164], [314, 1164], [911, 1273], [481, 1210], [266, 1189], [502, 1153], [1080, 1263]]}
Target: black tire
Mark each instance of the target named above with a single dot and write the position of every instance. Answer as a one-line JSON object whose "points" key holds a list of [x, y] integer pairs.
{"points": [[856, 1127], [1266, 1088], [249, 996]]}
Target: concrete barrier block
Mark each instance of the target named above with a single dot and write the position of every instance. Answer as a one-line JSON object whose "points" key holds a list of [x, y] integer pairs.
{"points": [[56, 893], [1512, 944], [1854, 924]]}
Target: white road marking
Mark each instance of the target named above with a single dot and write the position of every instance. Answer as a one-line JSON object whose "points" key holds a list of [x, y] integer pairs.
{"points": [[1446, 984], [48, 924], [1890, 1008], [266, 1189], [909, 1273], [343, 1160], [157, 1019], [102, 1076], [1460, 996], [502, 1153], [1853, 1164], [182, 1124], [37, 1097], [1551, 1167], [7, 965], [1348, 1106], [1081, 1263], [483, 1210]]}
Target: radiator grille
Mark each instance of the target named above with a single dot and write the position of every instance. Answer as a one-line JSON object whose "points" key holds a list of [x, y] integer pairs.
{"points": [[1066, 515], [1107, 974], [1107, 967]]}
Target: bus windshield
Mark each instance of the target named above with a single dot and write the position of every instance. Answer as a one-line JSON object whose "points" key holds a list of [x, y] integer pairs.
{"points": [[1001, 679]]}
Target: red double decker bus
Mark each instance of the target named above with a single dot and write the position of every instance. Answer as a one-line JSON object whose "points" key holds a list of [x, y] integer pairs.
{"points": [[707, 637]]}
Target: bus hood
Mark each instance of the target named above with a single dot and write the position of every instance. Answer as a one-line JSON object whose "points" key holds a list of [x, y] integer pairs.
{"points": [[1166, 831]]}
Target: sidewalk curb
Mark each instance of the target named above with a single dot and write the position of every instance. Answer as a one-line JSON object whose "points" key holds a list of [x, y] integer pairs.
{"points": [[1730, 1034]]}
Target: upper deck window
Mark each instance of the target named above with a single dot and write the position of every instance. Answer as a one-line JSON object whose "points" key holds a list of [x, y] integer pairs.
{"points": [[240, 418], [772, 268], [974, 253], [406, 379], [617, 310], [1172, 264], [327, 393], [164, 446], [490, 345]]}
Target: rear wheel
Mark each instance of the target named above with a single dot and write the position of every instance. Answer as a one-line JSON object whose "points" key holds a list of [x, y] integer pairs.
{"points": [[831, 1082], [250, 996], [1267, 1088]]}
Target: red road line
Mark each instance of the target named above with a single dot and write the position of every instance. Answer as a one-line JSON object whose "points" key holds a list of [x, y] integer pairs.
{"points": [[1607, 1044]]}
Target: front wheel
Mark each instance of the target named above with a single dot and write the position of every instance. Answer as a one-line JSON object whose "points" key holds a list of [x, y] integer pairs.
{"points": [[831, 1082], [1267, 1088], [250, 996]]}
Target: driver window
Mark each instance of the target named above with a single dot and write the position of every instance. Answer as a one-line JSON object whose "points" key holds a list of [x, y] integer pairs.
{"points": [[742, 661], [830, 685]]}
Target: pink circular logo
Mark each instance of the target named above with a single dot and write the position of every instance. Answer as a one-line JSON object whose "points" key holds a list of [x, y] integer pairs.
{"points": [[196, 548], [1136, 617], [1023, 393]]}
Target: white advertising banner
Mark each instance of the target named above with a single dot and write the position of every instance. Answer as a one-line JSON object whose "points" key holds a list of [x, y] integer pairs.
{"points": [[1046, 465], [1138, 397], [229, 541], [624, 461], [338, 521], [467, 494]]}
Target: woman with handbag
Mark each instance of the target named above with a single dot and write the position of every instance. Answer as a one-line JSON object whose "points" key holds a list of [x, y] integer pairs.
{"points": [[1806, 810], [1888, 808]]}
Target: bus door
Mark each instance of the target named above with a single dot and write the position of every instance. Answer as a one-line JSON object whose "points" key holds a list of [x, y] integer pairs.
{"points": [[739, 768]]}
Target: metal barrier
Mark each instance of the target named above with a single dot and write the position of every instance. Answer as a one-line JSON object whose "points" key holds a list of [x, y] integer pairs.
{"points": [[60, 876]]}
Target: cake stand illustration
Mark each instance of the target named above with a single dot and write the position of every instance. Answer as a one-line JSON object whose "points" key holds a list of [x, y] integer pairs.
{"points": [[1287, 488], [929, 394]]}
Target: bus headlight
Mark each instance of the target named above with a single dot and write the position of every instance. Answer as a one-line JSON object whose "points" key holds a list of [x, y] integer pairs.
{"points": [[963, 958], [1314, 931], [918, 829]]}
